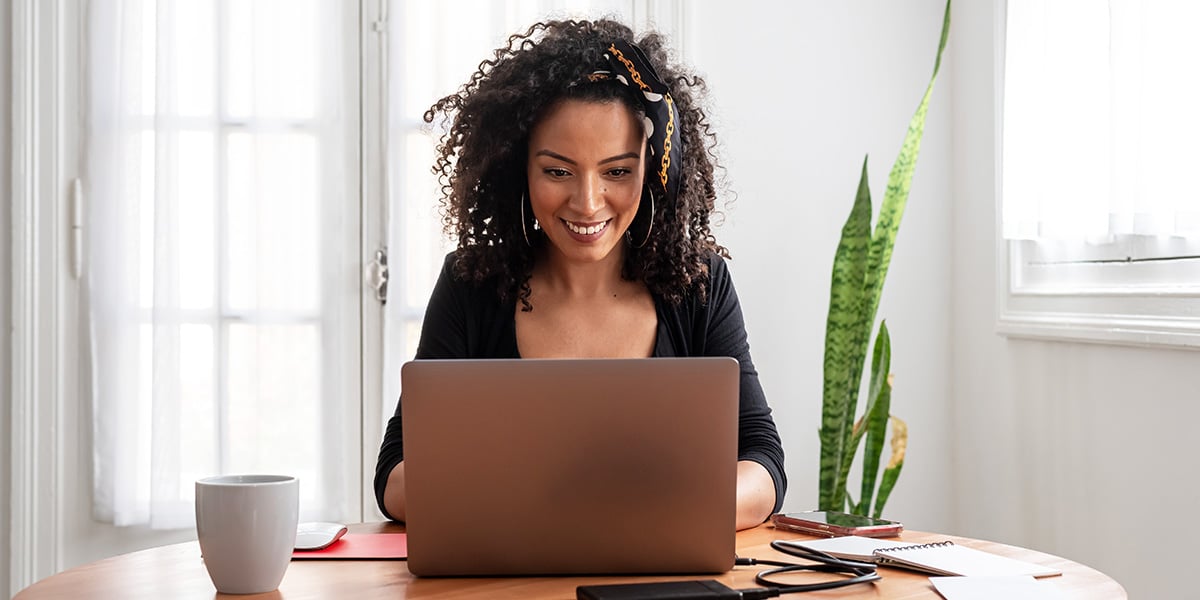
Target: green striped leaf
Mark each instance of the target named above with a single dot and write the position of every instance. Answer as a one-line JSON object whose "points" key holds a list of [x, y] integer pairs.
{"points": [[880, 367], [859, 270], [895, 198], [876, 415], [895, 464], [842, 327]]}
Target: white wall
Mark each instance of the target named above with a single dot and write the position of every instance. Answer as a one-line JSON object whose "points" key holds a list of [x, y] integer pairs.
{"points": [[811, 87], [5, 286], [1084, 451]]}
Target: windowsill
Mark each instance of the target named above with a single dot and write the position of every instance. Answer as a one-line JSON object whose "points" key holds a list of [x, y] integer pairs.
{"points": [[1106, 304], [1131, 330]]}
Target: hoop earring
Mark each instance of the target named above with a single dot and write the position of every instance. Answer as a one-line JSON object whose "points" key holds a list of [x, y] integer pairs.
{"points": [[649, 227], [524, 231]]}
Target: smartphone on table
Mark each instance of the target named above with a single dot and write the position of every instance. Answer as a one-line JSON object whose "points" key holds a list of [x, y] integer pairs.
{"points": [[831, 524]]}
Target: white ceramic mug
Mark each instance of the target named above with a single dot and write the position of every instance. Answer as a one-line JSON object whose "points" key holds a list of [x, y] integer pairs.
{"points": [[247, 529]]}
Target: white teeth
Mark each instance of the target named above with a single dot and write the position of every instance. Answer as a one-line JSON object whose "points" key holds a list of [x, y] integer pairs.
{"points": [[586, 230]]}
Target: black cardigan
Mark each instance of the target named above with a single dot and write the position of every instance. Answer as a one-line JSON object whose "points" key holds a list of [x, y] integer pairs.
{"points": [[464, 320]]}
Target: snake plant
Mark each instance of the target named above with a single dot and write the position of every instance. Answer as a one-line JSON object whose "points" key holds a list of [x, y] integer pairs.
{"points": [[859, 269]]}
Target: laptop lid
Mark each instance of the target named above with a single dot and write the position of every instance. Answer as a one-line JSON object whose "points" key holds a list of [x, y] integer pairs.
{"points": [[570, 466]]}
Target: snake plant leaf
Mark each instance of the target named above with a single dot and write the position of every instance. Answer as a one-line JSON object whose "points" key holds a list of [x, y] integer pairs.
{"points": [[895, 198], [848, 461], [892, 472], [877, 415], [842, 328], [874, 419], [854, 359], [859, 270]]}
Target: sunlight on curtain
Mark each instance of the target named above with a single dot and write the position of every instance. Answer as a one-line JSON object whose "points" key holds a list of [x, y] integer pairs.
{"points": [[217, 182], [1101, 128]]}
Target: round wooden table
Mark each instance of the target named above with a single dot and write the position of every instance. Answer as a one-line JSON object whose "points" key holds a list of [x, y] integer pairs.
{"points": [[177, 572]]}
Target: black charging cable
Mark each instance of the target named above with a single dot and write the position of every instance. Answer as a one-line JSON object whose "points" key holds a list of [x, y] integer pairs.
{"points": [[820, 562], [857, 572]]}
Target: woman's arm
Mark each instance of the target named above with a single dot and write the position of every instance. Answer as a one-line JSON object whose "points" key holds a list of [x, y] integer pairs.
{"points": [[462, 320], [442, 336], [389, 470], [755, 494], [762, 482], [393, 494]]}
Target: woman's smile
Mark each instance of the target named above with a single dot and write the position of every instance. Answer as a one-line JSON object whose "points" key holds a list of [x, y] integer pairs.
{"points": [[585, 231], [585, 174]]}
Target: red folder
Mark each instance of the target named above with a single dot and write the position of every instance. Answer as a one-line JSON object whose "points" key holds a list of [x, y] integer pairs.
{"points": [[359, 546]]}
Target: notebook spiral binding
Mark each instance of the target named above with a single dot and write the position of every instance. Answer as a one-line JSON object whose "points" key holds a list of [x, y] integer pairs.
{"points": [[917, 547], [888, 561]]}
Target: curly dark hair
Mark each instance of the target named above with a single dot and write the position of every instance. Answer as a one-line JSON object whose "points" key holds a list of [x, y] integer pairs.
{"points": [[482, 158]]}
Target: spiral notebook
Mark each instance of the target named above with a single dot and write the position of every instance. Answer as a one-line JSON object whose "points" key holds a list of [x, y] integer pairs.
{"points": [[948, 558], [848, 547]]}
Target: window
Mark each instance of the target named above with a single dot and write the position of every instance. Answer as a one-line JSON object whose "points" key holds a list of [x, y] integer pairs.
{"points": [[1100, 216], [237, 165], [222, 225]]}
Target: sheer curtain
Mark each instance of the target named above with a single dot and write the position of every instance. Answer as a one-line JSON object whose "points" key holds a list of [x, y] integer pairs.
{"points": [[220, 284], [1101, 128]]}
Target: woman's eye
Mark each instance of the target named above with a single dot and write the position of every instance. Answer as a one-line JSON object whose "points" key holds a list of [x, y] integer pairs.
{"points": [[620, 172], [556, 172]]}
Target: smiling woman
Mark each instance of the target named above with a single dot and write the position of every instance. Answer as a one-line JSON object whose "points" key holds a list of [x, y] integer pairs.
{"points": [[585, 178], [578, 182]]}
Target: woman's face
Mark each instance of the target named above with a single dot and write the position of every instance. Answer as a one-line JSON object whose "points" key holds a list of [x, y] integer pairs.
{"points": [[585, 177]]}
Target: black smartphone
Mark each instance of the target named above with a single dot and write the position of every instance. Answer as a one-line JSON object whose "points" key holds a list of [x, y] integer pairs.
{"points": [[831, 524]]}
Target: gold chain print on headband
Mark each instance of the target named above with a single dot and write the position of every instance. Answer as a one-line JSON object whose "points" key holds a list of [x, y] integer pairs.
{"points": [[633, 72], [637, 78], [666, 159]]}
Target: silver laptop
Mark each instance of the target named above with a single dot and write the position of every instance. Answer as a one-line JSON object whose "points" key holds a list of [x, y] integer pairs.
{"points": [[570, 466]]}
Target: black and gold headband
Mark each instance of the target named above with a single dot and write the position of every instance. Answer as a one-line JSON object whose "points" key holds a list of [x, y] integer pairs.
{"points": [[631, 67]]}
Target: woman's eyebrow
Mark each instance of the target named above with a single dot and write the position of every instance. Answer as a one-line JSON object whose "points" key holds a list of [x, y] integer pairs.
{"points": [[554, 155], [621, 157], [557, 156]]}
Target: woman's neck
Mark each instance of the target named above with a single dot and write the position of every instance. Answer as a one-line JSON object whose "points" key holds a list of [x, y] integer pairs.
{"points": [[581, 280]]}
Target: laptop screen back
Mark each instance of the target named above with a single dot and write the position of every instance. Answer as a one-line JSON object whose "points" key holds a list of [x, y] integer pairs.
{"points": [[570, 466]]}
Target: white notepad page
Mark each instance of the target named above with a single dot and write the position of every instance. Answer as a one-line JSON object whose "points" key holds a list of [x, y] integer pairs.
{"points": [[849, 547], [948, 558]]}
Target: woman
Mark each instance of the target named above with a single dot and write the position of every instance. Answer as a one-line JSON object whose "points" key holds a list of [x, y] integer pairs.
{"points": [[579, 185]]}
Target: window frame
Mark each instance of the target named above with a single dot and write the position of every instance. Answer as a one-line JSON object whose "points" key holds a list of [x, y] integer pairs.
{"points": [[45, 258], [1130, 291]]}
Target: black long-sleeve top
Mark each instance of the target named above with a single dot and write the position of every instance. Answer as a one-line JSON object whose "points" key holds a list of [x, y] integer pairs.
{"points": [[464, 320]]}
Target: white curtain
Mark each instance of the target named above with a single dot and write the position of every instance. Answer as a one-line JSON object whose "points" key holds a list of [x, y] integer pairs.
{"points": [[1101, 134], [218, 180]]}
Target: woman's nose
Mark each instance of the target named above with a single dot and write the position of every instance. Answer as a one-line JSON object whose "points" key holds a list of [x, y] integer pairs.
{"points": [[589, 198]]}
